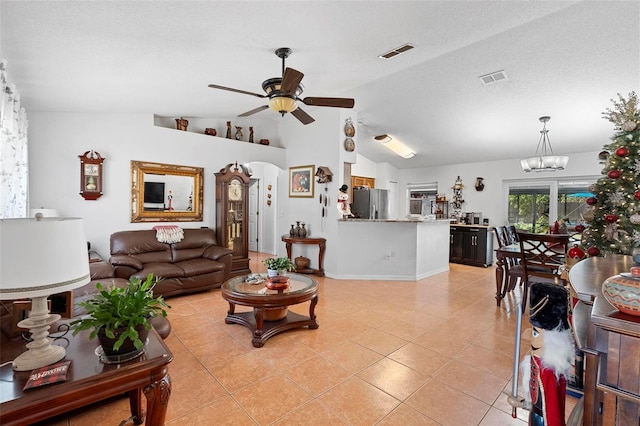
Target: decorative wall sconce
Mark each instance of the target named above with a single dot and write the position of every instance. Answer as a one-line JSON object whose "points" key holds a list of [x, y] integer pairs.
{"points": [[479, 184]]}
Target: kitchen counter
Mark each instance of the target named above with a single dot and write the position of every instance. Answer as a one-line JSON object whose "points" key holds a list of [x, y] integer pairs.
{"points": [[401, 250]]}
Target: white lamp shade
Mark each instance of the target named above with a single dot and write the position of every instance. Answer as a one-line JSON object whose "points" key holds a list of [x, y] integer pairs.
{"points": [[42, 257]]}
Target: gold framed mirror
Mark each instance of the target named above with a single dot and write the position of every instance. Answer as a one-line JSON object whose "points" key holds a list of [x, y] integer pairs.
{"points": [[166, 192]]}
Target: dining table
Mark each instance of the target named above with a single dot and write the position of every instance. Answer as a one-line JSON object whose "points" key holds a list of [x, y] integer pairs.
{"points": [[503, 254]]}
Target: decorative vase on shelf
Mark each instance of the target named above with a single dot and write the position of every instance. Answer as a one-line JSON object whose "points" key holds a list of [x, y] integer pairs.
{"points": [[239, 134], [297, 229], [181, 123], [292, 231], [250, 134], [302, 262], [303, 231], [228, 136]]}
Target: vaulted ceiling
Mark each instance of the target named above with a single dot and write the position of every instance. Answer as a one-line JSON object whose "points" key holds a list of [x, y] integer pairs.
{"points": [[561, 58]]}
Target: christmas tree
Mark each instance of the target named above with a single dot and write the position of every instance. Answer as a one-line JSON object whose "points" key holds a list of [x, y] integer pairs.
{"points": [[613, 218]]}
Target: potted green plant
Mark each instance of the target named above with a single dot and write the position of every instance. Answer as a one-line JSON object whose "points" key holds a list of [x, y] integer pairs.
{"points": [[120, 316], [278, 265]]}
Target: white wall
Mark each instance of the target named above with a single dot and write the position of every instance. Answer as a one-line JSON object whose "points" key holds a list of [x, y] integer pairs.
{"points": [[491, 201], [56, 140]]}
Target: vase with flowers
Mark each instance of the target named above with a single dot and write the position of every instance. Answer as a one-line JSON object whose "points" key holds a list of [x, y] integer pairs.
{"points": [[278, 266]]}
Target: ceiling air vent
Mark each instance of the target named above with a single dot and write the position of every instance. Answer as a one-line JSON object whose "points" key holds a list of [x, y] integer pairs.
{"points": [[396, 51], [494, 77]]}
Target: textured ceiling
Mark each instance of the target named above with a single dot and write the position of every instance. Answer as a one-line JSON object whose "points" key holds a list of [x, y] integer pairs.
{"points": [[563, 59]]}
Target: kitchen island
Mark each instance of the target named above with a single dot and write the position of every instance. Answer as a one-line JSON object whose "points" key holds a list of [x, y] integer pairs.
{"points": [[399, 250]]}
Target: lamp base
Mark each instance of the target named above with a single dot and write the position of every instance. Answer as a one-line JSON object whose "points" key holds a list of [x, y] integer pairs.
{"points": [[40, 351]]}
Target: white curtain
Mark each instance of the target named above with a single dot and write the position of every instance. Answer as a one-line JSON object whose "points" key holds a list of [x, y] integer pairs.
{"points": [[14, 163]]}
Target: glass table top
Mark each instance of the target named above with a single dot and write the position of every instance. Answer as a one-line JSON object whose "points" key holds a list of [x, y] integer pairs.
{"points": [[254, 284]]}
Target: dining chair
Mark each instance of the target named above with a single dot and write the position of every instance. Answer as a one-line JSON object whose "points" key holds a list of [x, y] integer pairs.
{"points": [[512, 266], [512, 234], [541, 258]]}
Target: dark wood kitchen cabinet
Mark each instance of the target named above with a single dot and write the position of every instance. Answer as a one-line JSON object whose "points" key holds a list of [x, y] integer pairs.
{"points": [[470, 245]]}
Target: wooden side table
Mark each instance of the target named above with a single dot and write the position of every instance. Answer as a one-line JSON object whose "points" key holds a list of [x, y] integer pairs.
{"points": [[320, 242], [88, 381]]}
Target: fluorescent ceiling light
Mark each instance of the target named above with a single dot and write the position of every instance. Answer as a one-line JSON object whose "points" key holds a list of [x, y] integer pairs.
{"points": [[395, 145]]}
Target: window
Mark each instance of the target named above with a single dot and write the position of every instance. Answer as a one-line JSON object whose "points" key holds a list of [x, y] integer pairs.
{"points": [[530, 208]]}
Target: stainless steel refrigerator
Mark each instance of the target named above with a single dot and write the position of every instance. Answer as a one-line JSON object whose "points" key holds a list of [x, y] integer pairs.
{"points": [[370, 203]]}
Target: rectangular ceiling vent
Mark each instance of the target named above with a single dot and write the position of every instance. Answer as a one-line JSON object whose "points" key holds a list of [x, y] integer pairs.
{"points": [[494, 77], [396, 51]]}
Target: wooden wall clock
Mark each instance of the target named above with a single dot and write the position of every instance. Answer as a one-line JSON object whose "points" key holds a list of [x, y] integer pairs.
{"points": [[91, 175], [232, 214]]}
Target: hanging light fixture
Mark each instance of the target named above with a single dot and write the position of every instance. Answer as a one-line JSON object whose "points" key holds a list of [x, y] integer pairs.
{"points": [[544, 160], [396, 146]]}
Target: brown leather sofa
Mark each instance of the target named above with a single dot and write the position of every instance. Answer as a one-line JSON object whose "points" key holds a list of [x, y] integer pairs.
{"points": [[194, 264]]}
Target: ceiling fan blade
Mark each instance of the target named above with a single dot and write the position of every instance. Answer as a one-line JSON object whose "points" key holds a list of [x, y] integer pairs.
{"points": [[291, 80], [253, 111], [329, 102], [302, 116], [215, 86]]}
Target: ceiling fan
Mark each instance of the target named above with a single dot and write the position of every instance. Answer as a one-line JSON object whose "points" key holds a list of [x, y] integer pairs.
{"points": [[283, 93]]}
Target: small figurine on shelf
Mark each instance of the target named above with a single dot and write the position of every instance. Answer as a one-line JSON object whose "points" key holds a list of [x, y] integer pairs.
{"points": [[343, 203], [250, 134], [546, 369], [181, 123], [239, 134], [170, 200], [228, 136]]}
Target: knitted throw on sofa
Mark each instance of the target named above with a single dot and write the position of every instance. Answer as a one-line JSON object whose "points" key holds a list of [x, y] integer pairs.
{"points": [[168, 233]]}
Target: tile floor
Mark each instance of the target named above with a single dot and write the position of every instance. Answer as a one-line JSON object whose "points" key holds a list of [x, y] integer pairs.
{"points": [[433, 352]]}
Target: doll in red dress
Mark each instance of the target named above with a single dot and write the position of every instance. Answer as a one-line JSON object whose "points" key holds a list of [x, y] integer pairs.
{"points": [[546, 368]]}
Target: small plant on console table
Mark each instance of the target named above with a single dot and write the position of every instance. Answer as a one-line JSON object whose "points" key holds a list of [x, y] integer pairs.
{"points": [[279, 265], [122, 315]]}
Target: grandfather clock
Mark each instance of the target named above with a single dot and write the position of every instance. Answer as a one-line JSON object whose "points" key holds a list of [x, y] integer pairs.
{"points": [[232, 216]]}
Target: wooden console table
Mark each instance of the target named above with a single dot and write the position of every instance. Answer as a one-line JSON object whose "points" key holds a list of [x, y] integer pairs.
{"points": [[320, 242], [610, 341], [88, 381]]}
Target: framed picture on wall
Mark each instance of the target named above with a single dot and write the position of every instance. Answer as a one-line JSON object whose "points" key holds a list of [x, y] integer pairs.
{"points": [[301, 181]]}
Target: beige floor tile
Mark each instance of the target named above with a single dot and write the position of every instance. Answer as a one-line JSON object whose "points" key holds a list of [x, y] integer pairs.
{"points": [[407, 416], [358, 402], [351, 356], [224, 411], [316, 375], [191, 391], [440, 341], [472, 380], [403, 329], [420, 359], [379, 341], [270, 399], [394, 378], [447, 405], [493, 362], [496, 417], [311, 414]]}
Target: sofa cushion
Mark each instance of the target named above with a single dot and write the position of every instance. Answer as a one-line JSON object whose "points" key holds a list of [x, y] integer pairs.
{"points": [[141, 245], [199, 266], [163, 270]]}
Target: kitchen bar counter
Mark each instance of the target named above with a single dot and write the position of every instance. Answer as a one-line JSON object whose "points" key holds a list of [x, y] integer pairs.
{"points": [[382, 249]]}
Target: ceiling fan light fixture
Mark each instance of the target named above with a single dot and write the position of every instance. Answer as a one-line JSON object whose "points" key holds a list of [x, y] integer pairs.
{"points": [[395, 145], [282, 104], [544, 160]]}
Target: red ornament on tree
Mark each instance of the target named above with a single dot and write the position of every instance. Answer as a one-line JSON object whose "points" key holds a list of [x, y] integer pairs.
{"points": [[579, 227], [592, 201], [575, 252], [611, 218], [622, 152], [637, 195], [593, 251], [614, 174]]}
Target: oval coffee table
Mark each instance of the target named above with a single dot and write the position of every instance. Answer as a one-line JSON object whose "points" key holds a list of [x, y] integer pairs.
{"points": [[270, 315]]}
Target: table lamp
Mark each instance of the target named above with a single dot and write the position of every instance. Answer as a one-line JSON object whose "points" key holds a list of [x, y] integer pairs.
{"points": [[39, 257]]}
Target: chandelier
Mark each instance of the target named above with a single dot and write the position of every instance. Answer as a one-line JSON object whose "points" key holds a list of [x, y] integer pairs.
{"points": [[544, 160]]}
